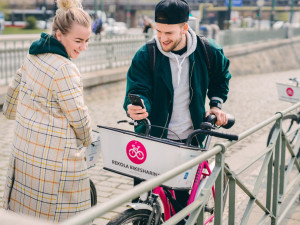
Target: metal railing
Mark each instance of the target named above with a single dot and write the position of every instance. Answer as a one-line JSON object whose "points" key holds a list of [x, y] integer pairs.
{"points": [[117, 51], [101, 54], [279, 181], [241, 36]]}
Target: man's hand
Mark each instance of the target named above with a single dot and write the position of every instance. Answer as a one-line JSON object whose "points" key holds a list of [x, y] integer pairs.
{"points": [[221, 116], [137, 112]]}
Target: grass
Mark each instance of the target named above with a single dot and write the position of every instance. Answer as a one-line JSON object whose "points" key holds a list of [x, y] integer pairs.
{"points": [[18, 30]]}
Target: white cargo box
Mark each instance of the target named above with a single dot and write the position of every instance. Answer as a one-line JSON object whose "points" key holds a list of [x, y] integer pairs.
{"points": [[289, 93], [137, 156]]}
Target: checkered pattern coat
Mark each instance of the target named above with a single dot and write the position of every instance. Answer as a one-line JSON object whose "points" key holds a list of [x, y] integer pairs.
{"points": [[47, 174]]}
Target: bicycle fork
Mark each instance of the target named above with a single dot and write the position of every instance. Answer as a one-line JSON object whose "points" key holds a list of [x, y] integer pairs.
{"points": [[156, 210]]}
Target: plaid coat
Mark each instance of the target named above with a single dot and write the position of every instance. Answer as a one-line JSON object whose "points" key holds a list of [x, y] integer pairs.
{"points": [[47, 174]]}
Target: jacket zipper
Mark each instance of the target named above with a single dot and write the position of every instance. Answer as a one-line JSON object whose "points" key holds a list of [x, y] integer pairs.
{"points": [[162, 134], [192, 94], [192, 91]]}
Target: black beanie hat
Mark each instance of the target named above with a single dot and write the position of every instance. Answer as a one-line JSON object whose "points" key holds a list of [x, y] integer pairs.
{"points": [[172, 11]]}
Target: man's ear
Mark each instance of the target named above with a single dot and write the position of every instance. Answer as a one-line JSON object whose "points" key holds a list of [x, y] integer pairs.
{"points": [[185, 28], [58, 35]]}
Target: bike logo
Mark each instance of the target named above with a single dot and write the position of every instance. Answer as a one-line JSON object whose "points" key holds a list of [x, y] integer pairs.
{"points": [[136, 152], [290, 92]]}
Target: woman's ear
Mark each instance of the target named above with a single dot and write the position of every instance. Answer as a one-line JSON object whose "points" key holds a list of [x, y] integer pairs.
{"points": [[58, 35]]}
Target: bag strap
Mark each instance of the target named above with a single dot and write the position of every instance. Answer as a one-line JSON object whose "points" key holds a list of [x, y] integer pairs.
{"points": [[151, 47], [206, 50]]}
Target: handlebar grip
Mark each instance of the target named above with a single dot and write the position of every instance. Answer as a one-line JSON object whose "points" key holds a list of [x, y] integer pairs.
{"points": [[231, 137], [230, 121], [213, 119]]}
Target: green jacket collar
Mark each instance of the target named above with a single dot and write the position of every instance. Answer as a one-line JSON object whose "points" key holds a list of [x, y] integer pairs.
{"points": [[48, 44]]}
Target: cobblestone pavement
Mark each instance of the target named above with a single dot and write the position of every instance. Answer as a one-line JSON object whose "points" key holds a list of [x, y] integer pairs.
{"points": [[252, 99]]}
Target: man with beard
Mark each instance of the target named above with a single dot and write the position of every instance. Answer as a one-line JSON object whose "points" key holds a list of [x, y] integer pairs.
{"points": [[174, 91]]}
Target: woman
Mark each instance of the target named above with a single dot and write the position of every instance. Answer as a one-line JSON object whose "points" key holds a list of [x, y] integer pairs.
{"points": [[47, 175]]}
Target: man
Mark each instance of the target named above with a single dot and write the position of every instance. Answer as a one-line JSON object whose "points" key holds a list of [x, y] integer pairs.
{"points": [[174, 93]]}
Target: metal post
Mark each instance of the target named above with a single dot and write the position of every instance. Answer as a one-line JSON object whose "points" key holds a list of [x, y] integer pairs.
{"points": [[272, 14], [259, 17], [229, 10], [54, 7], [101, 5], [219, 188], [45, 13], [128, 14], [291, 11], [276, 183], [95, 7], [229, 14], [232, 194]]}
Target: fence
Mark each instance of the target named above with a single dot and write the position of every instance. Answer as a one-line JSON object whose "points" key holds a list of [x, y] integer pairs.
{"points": [[108, 53], [116, 51], [233, 37]]}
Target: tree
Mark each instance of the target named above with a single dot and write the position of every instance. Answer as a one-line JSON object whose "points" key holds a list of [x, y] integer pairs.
{"points": [[30, 22], [3, 6]]}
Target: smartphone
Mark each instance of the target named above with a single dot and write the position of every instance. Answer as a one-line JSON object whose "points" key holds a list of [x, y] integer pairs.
{"points": [[136, 100]]}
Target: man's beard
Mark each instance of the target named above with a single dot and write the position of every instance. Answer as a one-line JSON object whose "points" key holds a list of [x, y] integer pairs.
{"points": [[174, 45]]}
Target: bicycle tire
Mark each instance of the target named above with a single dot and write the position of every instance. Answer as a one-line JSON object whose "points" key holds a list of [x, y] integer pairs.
{"points": [[132, 216], [288, 122], [93, 193], [285, 125]]}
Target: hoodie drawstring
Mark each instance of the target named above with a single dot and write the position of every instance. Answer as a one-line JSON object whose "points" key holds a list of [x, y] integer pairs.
{"points": [[179, 66]]}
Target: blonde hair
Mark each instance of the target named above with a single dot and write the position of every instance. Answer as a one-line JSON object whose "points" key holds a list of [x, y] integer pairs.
{"points": [[68, 13]]}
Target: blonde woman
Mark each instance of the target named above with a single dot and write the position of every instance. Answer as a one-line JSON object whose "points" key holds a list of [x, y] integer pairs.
{"points": [[47, 175]]}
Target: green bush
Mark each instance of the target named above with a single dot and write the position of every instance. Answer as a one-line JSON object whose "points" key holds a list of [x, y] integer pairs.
{"points": [[30, 22]]}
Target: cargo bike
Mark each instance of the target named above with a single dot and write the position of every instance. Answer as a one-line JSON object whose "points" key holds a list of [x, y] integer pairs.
{"points": [[144, 157]]}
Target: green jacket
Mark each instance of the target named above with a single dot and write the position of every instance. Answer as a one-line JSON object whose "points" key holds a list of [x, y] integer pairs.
{"points": [[157, 90]]}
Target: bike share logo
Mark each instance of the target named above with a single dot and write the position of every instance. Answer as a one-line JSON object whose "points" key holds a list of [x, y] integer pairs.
{"points": [[290, 92], [136, 152]]}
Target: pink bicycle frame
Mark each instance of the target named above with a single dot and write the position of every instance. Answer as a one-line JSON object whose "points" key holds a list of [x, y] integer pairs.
{"points": [[168, 209]]}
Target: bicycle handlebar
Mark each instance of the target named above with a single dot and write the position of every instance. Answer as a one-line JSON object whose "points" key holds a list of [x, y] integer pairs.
{"points": [[295, 80], [205, 128], [231, 137]]}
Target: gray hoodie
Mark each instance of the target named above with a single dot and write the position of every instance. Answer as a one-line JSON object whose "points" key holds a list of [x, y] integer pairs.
{"points": [[181, 122]]}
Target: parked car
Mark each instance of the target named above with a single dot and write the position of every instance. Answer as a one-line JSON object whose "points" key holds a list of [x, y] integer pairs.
{"points": [[42, 24], [113, 27], [119, 28]]}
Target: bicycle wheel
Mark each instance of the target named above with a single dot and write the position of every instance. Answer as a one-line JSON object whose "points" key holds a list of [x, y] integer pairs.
{"points": [[132, 216], [289, 122], [93, 193]]}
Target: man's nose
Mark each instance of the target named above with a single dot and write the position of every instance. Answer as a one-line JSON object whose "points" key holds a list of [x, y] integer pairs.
{"points": [[163, 38]]}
